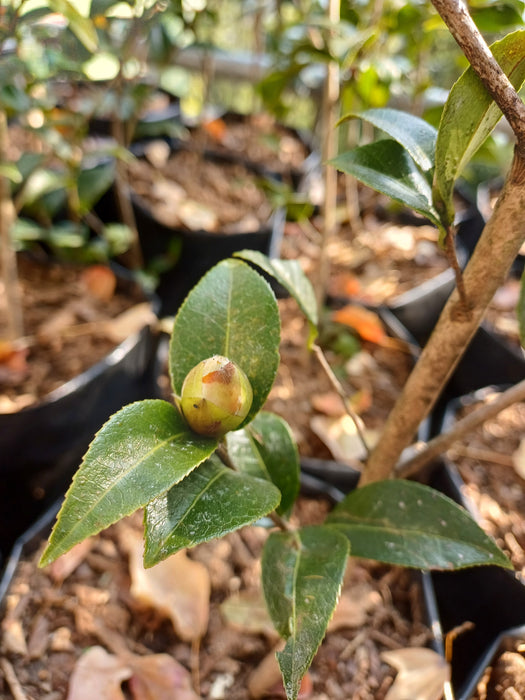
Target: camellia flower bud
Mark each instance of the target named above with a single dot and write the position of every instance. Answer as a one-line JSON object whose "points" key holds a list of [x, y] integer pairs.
{"points": [[216, 397]]}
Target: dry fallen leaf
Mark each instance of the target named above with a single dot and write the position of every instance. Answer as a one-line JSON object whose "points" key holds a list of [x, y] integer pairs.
{"points": [[353, 607], [13, 362], [365, 322], [99, 675], [178, 587], [64, 566], [341, 437], [266, 679], [247, 611], [129, 322], [216, 128], [329, 403], [100, 281], [159, 677], [421, 674], [157, 152]]}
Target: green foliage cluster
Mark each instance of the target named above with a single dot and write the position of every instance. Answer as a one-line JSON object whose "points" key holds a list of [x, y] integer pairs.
{"points": [[194, 488]]}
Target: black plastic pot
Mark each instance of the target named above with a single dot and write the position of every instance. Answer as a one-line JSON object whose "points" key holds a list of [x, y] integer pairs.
{"points": [[41, 446], [489, 358], [419, 308], [491, 598], [291, 174], [200, 250]]}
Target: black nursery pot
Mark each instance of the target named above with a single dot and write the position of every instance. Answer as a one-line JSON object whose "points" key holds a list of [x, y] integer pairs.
{"points": [[489, 597], [198, 251], [42, 446], [489, 358]]}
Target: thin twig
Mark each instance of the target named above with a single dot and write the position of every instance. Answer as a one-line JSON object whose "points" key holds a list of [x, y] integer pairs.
{"points": [[12, 680], [281, 523], [342, 393], [452, 258], [482, 455], [443, 442], [460, 24], [8, 262]]}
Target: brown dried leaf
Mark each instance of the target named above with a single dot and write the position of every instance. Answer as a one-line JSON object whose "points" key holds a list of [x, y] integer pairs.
{"points": [[57, 323], [329, 403], [266, 680], [100, 282], [13, 637], [422, 674], [247, 611], [129, 322], [341, 437], [353, 607], [64, 566], [178, 588], [99, 675], [160, 677]]}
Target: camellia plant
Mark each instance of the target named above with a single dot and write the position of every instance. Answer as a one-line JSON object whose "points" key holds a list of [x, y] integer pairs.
{"points": [[214, 460]]}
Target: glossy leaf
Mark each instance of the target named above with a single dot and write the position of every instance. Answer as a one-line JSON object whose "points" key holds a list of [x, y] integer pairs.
{"points": [[469, 115], [93, 183], [416, 135], [388, 168], [290, 274], [82, 27], [302, 574], [233, 312], [266, 449], [210, 502], [521, 311], [138, 454], [406, 523]]}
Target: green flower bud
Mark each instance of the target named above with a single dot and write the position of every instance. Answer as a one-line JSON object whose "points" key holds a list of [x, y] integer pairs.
{"points": [[216, 397]]}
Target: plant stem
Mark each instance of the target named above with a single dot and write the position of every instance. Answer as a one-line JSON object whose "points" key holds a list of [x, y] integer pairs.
{"points": [[487, 270], [329, 150], [441, 443], [340, 390], [460, 24], [9, 270]]}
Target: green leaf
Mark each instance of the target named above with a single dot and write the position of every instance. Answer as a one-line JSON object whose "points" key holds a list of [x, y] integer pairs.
{"points": [[266, 449], [416, 135], [406, 523], [82, 27], [11, 172], [137, 455], [521, 310], [40, 183], [469, 115], [210, 502], [302, 574], [290, 274], [93, 183], [233, 312], [388, 168]]}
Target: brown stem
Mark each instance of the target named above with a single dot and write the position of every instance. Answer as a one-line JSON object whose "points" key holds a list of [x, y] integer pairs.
{"points": [[329, 150], [441, 443], [487, 270], [340, 390], [460, 24], [9, 270], [452, 258], [133, 257]]}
